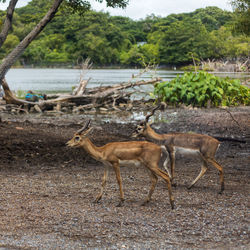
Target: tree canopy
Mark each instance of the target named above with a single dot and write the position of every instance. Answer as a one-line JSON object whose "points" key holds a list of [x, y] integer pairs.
{"points": [[74, 6], [77, 32], [242, 16]]}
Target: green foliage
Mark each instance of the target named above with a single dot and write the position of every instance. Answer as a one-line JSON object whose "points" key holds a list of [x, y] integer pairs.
{"points": [[10, 43], [223, 44], [111, 40], [146, 54], [212, 17], [199, 89], [115, 3], [242, 16], [182, 39], [81, 6], [21, 94]]}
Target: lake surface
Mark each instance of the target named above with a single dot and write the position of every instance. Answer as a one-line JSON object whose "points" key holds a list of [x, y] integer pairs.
{"points": [[62, 80]]}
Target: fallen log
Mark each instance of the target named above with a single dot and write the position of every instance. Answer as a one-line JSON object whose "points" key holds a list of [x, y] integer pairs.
{"points": [[94, 96], [121, 86], [9, 97]]}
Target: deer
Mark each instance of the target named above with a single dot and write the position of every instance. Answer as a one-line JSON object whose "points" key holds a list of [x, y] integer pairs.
{"points": [[203, 145], [116, 154]]}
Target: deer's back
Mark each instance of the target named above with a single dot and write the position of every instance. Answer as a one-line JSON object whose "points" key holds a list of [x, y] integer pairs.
{"points": [[205, 144], [133, 150]]}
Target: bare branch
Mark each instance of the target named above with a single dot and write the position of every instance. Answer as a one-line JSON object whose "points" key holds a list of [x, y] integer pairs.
{"points": [[7, 21], [233, 119], [86, 66]]}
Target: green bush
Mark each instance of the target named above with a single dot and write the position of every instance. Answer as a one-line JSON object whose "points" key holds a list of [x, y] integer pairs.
{"points": [[199, 89]]}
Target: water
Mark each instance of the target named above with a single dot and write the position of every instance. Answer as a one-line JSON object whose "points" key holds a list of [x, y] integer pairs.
{"points": [[62, 80]]}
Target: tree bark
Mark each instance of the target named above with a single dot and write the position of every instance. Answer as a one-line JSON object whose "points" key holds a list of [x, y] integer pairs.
{"points": [[9, 97], [13, 56], [7, 21]]}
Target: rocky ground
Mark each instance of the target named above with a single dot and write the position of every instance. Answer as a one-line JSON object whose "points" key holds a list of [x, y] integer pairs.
{"points": [[47, 189]]}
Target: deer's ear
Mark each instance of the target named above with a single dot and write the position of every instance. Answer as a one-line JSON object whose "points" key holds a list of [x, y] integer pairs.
{"points": [[88, 131]]}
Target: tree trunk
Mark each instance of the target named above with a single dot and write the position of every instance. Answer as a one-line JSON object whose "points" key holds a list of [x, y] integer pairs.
{"points": [[13, 56], [7, 21]]}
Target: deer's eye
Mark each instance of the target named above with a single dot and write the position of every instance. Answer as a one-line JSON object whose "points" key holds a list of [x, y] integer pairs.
{"points": [[139, 128], [77, 138]]}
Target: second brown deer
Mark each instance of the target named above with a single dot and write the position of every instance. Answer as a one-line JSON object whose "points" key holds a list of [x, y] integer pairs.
{"points": [[115, 154], [205, 146]]}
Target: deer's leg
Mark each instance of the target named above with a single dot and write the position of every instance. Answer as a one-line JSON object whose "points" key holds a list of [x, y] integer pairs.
{"points": [[119, 181], [165, 176], [154, 180], [104, 181], [202, 172], [165, 163], [171, 152], [220, 168]]}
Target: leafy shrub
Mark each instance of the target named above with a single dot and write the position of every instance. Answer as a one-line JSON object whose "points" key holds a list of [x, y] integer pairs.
{"points": [[21, 94], [199, 89]]}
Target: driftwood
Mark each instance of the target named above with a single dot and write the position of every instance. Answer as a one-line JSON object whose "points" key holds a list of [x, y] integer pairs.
{"points": [[92, 98], [9, 97], [81, 88]]}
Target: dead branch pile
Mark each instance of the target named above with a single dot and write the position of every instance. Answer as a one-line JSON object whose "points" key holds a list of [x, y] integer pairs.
{"points": [[82, 98]]}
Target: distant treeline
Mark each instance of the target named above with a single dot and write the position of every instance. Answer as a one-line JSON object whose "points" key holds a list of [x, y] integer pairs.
{"points": [[175, 40]]}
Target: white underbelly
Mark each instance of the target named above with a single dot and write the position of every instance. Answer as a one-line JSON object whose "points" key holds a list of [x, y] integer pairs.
{"points": [[128, 163], [188, 151], [124, 163]]}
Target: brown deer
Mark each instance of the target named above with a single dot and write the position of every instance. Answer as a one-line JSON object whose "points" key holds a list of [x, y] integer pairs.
{"points": [[206, 147], [115, 154]]}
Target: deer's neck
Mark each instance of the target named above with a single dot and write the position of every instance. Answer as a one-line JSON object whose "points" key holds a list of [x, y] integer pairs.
{"points": [[152, 134], [93, 150]]}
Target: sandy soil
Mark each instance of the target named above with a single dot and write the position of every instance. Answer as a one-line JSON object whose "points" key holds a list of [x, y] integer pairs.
{"points": [[47, 189]]}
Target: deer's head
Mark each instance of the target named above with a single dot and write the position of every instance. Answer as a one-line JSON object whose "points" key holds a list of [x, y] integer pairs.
{"points": [[143, 127], [141, 130], [80, 136]]}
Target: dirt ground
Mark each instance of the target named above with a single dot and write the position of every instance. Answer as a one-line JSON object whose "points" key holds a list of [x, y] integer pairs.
{"points": [[47, 189]]}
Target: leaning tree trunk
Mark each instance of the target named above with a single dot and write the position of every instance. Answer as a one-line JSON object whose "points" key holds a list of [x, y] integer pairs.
{"points": [[13, 56], [7, 21]]}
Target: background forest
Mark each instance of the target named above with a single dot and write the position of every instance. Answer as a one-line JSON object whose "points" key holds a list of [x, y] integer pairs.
{"points": [[173, 40]]}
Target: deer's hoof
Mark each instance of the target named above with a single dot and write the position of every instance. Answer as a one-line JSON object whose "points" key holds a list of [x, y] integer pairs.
{"points": [[145, 203], [172, 204], [222, 188], [120, 204], [174, 184], [97, 200]]}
